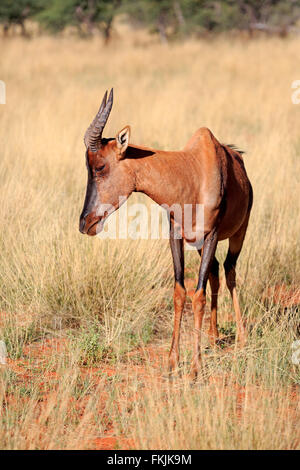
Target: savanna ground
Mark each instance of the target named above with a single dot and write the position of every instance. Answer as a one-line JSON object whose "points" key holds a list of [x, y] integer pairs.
{"points": [[87, 322]]}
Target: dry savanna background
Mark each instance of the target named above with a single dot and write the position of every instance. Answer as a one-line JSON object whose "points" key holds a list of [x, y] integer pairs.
{"points": [[87, 322]]}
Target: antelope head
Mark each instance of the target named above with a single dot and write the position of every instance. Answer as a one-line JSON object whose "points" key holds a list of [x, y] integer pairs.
{"points": [[109, 180]]}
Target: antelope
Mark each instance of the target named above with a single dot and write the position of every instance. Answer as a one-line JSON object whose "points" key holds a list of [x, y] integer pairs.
{"points": [[205, 172]]}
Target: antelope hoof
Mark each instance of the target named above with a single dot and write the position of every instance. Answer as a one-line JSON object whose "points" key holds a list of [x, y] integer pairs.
{"points": [[213, 338], [196, 371]]}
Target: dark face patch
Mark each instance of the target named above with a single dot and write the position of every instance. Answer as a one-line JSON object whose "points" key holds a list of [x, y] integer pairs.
{"points": [[90, 198]]}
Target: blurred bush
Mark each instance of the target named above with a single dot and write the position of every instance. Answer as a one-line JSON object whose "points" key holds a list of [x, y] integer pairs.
{"points": [[168, 18]]}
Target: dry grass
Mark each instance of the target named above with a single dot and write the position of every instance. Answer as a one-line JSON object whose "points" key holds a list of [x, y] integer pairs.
{"points": [[108, 297]]}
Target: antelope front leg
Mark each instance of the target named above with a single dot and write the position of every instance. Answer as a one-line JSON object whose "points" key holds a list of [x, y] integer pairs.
{"points": [[199, 298], [179, 296], [179, 299], [214, 285], [199, 301]]}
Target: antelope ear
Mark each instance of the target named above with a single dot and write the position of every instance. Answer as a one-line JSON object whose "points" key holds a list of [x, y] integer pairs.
{"points": [[122, 139]]}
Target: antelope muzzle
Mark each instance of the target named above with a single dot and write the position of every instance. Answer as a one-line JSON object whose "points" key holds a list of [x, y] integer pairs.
{"points": [[88, 223]]}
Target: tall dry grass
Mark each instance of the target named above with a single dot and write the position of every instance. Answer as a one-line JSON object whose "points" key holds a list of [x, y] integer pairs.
{"points": [[118, 294]]}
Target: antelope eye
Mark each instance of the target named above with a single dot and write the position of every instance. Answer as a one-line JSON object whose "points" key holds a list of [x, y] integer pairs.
{"points": [[100, 168]]}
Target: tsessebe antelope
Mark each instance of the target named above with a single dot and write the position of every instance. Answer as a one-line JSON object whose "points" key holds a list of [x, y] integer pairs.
{"points": [[204, 172]]}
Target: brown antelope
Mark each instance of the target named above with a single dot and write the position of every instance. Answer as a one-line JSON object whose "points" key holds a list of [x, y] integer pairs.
{"points": [[204, 172]]}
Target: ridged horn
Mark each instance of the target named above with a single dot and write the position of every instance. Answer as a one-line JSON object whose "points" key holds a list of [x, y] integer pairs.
{"points": [[93, 135]]}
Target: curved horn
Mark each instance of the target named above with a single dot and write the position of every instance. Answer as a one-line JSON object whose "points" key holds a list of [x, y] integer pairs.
{"points": [[92, 137]]}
